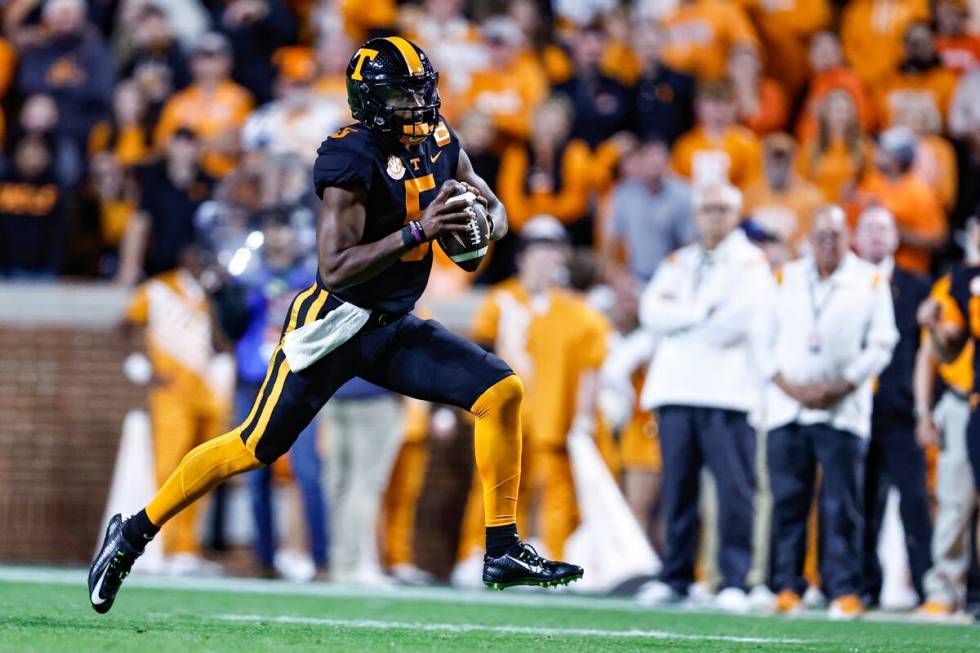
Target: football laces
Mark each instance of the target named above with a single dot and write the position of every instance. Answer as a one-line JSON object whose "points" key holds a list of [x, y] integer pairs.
{"points": [[474, 231]]}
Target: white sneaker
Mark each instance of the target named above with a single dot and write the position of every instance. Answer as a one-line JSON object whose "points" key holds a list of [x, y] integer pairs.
{"points": [[468, 573], [814, 599], [656, 593], [294, 566], [409, 574], [700, 594], [732, 599], [761, 598], [188, 564], [370, 575]]}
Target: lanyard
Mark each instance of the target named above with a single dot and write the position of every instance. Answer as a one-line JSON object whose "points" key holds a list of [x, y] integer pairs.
{"points": [[704, 267], [817, 309]]}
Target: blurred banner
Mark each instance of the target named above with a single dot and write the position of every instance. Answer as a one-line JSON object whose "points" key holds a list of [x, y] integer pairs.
{"points": [[608, 542]]}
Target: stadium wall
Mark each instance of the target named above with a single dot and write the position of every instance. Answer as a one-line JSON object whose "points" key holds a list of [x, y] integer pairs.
{"points": [[63, 398]]}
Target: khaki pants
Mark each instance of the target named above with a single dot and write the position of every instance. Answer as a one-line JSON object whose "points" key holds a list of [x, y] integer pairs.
{"points": [[365, 435], [956, 498]]}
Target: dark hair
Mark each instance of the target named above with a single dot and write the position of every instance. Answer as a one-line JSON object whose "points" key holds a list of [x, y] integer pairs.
{"points": [[653, 140], [186, 133], [152, 10], [853, 136], [720, 89]]}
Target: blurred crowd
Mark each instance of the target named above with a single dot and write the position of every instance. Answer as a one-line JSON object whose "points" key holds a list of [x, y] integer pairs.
{"points": [[682, 179]]}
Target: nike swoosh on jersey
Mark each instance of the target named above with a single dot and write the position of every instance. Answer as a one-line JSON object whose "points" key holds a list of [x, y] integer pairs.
{"points": [[433, 159]]}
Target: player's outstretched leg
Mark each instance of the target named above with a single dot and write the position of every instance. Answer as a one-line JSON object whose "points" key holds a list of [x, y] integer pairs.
{"points": [[509, 561], [201, 469]]}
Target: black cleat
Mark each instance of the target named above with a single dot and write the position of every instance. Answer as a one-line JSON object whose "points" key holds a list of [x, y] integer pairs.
{"points": [[111, 565], [522, 565]]}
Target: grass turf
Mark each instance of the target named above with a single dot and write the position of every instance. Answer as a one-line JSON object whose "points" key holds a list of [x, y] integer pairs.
{"points": [[154, 616]]}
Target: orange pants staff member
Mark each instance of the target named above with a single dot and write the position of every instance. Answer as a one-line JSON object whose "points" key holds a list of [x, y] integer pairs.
{"points": [[186, 406]]}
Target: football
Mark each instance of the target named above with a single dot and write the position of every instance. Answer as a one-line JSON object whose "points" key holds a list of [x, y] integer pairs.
{"points": [[468, 248]]}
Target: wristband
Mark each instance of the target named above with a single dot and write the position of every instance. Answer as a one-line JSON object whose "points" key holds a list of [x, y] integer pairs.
{"points": [[412, 234], [417, 231]]}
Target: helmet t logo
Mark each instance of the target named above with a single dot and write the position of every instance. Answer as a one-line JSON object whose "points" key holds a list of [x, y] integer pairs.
{"points": [[362, 54]]}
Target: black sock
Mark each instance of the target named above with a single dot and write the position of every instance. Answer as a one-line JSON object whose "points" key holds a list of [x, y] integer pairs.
{"points": [[139, 530], [500, 538]]}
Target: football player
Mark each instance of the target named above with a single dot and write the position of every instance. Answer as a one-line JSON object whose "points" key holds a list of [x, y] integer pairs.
{"points": [[386, 182]]}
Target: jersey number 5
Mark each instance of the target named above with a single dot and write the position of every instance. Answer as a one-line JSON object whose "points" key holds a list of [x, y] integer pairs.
{"points": [[414, 187]]}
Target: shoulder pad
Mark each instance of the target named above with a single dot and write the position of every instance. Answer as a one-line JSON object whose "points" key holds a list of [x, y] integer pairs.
{"points": [[345, 158]]}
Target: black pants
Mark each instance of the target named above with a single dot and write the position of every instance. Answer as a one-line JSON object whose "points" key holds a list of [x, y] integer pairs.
{"points": [[723, 440], [413, 357], [793, 453], [895, 459], [973, 442]]}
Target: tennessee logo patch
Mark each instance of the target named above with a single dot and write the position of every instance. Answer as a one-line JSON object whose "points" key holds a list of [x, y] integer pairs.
{"points": [[396, 169]]}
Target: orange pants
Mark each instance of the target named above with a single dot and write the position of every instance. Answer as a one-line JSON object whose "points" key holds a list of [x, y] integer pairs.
{"points": [[401, 499], [547, 505], [181, 421]]}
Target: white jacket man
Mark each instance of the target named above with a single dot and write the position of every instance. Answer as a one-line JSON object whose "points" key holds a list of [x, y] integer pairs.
{"points": [[834, 333], [708, 307]]}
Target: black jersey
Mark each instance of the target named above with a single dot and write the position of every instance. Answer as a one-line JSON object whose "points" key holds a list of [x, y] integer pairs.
{"points": [[399, 183]]}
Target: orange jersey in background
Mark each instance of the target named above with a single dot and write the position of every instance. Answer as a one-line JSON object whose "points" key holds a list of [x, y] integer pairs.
{"points": [[872, 31], [792, 207], [702, 32], [916, 208], [129, 145], [526, 195], [934, 87], [736, 156], [550, 341], [209, 115], [508, 95], [837, 169], [958, 374]]}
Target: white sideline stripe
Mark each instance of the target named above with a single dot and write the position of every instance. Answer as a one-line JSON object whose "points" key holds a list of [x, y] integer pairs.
{"points": [[526, 598], [372, 624]]}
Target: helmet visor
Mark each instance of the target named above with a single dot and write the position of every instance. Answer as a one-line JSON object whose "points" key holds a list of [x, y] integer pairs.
{"points": [[407, 94]]}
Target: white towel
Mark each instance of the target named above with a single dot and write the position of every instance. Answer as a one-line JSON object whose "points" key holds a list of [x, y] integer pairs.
{"points": [[310, 343]]}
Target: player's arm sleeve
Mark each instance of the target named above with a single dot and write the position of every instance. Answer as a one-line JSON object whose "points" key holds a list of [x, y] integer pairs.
{"points": [[138, 310], [880, 339], [339, 163]]}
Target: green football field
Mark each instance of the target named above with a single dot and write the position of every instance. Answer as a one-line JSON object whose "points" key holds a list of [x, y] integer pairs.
{"points": [[47, 611]]}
